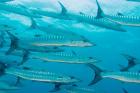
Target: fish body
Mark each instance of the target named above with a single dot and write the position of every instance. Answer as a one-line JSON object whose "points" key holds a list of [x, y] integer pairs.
{"points": [[78, 90], [134, 0], [41, 76], [102, 22], [3, 1], [131, 77], [62, 57], [120, 18], [81, 17], [48, 40], [18, 9]]}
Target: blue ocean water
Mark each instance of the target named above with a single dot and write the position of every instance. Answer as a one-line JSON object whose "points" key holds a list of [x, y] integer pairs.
{"points": [[109, 44]]}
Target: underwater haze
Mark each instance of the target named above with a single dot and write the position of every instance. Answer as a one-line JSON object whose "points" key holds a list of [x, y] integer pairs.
{"points": [[85, 35]]}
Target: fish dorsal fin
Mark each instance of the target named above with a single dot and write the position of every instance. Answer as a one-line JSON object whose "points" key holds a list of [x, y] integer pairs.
{"points": [[63, 9], [120, 14], [25, 57], [33, 24], [74, 53], [100, 12]]}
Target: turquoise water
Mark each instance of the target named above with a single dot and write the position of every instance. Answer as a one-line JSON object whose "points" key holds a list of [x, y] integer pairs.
{"points": [[109, 44]]}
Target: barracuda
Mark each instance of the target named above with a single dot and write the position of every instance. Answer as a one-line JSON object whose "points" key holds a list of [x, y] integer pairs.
{"points": [[25, 45], [38, 75], [62, 57], [131, 77], [134, 0], [73, 89], [81, 17], [3, 1], [120, 18], [47, 40], [18, 9]]}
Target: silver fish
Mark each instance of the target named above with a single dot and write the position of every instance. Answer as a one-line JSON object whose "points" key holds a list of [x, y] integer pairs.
{"points": [[81, 17], [48, 40], [42, 76], [63, 57], [131, 77], [73, 89], [18, 9], [134, 0], [121, 19], [3, 1]]}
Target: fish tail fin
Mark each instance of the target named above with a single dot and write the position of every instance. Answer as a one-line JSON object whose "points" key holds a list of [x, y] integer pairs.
{"points": [[56, 88], [13, 45], [124, 90], [131, 60], [2, 68], [97, 71], [25, 57], [63, 9], [100, 13]]}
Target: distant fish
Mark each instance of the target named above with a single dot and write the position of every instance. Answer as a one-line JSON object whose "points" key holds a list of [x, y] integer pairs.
{"points": [[134, 0], [18, 9], [6, 86], [3, 1], [131, 77], [40, 76], [74, 89], [81, 17], [132, 61], [121, 19]]}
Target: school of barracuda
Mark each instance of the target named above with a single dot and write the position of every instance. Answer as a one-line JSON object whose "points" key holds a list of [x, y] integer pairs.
{"points": [[46, 44]]}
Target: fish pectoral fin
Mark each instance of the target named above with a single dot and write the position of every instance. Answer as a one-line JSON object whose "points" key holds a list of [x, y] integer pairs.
{"points": [[18, 81], [100, 13], [64, 10], [25, 57], [120, 14], [56, 87]]}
